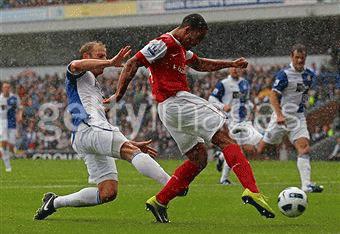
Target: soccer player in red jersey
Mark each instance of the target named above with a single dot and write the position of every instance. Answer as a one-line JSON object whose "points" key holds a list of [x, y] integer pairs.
{"points": [[190, 119]]}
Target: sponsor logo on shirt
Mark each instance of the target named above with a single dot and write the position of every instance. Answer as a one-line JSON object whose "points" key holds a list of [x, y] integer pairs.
{"points": [[179, 69], [300, 87]]}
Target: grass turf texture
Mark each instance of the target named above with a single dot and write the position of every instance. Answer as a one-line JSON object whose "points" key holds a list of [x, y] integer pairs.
{"points": [[208, 208]]}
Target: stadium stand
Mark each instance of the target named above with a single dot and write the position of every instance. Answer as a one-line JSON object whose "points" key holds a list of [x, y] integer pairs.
{"points": [[7, 4], [28, 86]]}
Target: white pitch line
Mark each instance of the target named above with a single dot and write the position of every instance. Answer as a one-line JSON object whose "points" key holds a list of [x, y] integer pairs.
{"points": [[140, 185]]}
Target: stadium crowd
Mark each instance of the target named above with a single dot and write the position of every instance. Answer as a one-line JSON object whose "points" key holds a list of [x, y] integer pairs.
{"points": [[35, 91], [6, 4]]}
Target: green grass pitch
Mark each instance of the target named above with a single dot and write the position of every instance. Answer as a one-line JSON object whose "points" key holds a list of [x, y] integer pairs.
{"points": [[208, 208]]}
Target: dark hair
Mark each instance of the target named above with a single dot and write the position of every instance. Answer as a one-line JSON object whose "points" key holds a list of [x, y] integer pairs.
{"points": [[299, 48], [195, 21]]}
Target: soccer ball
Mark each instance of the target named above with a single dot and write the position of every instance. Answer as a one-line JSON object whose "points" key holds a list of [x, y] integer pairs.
{"points": [[292, 202]]}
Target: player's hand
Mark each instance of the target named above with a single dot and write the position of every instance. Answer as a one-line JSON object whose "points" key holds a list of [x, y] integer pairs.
{"points": [[145, 148], [280, 119], [240, 63], [120, 57], [110, 99], [226, 108]]}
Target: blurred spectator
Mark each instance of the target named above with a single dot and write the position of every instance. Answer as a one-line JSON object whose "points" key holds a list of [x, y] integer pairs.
{"points": [[4, 4], [36, 91], [318, 134]]}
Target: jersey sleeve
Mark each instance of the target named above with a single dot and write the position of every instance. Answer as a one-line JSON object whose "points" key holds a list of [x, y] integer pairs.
{"points": [[73, 75], [311, 79], [244, 90], [281, 82], [156, 49], [190, 56], [218, 92]]}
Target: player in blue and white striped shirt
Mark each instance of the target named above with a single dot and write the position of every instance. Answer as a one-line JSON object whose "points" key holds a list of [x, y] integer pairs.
{"points": [[232, 95], [11, 113], [287, 98]]}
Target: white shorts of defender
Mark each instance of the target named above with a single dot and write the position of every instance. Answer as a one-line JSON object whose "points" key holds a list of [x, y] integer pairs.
{"points": [[12, 136], [98, 148], [3, 133], [190, 119], [295, 128]]}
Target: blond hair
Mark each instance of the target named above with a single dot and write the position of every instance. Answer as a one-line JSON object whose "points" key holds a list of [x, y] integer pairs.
{"points": [[88, 46]]}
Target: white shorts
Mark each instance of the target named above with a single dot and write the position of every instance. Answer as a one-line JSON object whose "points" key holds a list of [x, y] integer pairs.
{"points": [[12, 132], [3, 133], [296, 127], [190, 119], [100, 168], [244, 133], [98, 147]]}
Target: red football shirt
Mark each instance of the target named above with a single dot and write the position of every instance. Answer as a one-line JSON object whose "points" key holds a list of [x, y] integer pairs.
{"points": [[166, 59]]}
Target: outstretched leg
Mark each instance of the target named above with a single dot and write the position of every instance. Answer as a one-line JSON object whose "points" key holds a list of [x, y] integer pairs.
{"points": [[179, 182], [240, 165]]}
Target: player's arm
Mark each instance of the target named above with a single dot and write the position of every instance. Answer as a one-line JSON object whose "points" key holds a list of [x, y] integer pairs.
{"points": [[127, 74], [78, 66], [274, 101], [209, 65], [280, 83], [153, 51]]}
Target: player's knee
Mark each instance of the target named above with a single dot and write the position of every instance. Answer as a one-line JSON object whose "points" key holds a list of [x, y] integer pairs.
{"points": [[108, 190], [198, 155], [128, 150], [222, 139], [304, 150], [202, 156], [108, 195]]}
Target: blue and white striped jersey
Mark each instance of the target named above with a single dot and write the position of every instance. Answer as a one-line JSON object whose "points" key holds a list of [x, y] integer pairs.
{"points": [[234, 92], [85, 99], [13, 104], [293, 87]]}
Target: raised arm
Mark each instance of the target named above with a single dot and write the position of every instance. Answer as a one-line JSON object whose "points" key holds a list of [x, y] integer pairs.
{"points": [[209, 65], [127, 74], [78, 66]]}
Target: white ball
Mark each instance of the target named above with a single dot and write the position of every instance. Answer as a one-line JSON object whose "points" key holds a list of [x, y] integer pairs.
{"points": [[292, 202]]}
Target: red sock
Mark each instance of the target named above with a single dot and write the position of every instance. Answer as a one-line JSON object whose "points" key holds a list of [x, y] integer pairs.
{"points": [[240, 165], [179, 181]]}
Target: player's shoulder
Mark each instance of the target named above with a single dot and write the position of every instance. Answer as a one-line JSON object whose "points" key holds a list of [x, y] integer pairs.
{"points": [[226, 82], [73, 75], [169, 40], [309, 72], [13, 96], [243, 83], [243, 80], [282, 74]]}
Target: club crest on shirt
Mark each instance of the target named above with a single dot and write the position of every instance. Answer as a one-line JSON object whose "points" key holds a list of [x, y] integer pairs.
{"points": [[300, 87], [236, 95]]}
